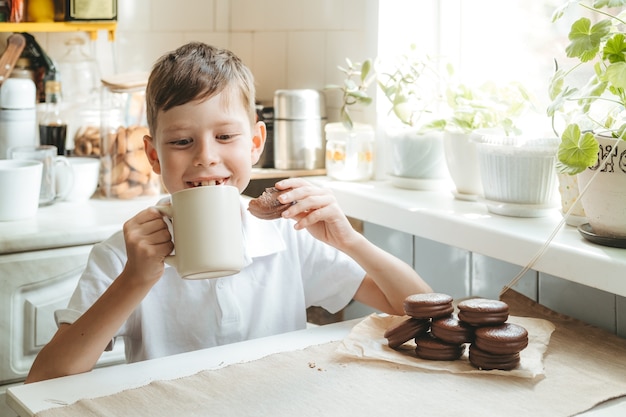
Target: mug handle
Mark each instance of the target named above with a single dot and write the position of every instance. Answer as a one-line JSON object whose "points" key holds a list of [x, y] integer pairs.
{"points": [[63, 187], [166, 210]]}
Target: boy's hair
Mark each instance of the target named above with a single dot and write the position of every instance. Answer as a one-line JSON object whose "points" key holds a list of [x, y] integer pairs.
{"points": [[197, 71]]}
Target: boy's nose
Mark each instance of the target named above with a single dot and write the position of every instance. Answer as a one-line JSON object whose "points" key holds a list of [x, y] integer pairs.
{"points": [[207, 153]]}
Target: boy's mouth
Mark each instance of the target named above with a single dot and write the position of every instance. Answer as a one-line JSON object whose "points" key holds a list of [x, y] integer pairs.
{"points": [[205, 183]]}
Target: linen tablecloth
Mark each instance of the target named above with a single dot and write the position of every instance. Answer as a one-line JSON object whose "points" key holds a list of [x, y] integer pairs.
{"points": [[583, 366]]}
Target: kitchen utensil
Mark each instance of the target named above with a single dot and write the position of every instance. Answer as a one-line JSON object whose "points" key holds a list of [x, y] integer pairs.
{"points": [[208, 240], [15, 46], [299, 120]]}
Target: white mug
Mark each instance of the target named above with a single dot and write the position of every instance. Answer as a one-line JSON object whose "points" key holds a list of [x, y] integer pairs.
{"points": [[85, 171], [20, 182], [47, 154], [208, 239]]}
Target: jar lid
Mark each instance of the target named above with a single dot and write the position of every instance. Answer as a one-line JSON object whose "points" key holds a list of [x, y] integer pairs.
{"points": [[126, 82]]}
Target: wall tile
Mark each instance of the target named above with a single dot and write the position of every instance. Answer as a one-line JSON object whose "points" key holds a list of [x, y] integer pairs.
{"points": [[137, 15], [182, 16], [139, 51], [222, 16], [269, 63], [588, 304], [490, 275], [445, 268], [305, 60]]}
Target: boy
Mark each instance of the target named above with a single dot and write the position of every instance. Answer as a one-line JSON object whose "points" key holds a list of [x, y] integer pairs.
{"points": [[203, 130]]}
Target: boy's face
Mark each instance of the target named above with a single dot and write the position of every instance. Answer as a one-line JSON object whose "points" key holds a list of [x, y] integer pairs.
{"points": [[205, 143]]}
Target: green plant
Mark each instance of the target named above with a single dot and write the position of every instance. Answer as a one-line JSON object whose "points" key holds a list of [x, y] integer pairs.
{"points": [[488, 106], [598, 106], [354, 92], [413, 88]]}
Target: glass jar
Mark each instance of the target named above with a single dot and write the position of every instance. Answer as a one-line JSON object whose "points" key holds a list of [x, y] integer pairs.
{"points": [[125, 170], [349, 153], [79, 74], [84, 134]]}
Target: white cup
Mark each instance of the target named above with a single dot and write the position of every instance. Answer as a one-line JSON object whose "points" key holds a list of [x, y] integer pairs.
{"points": [[85, 171], [20, 182], [208, 239], [47, 154]]}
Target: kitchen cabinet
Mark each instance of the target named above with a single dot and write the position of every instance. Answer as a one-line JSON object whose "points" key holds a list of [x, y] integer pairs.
{"points": [[91, 28], [41, 260]]}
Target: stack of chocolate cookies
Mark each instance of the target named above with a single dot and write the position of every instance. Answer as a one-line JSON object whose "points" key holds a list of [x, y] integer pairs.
{"points": [[496, 344], [440, 334]]}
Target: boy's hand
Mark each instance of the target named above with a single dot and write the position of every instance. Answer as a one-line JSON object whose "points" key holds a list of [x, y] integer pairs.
{"points": [[316, 210], [148, 242]]}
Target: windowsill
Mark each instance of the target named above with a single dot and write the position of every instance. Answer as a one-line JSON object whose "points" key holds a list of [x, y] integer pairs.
{"points": [[438, 216]]}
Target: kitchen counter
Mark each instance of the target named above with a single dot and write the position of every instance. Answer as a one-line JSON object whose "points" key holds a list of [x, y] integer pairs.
{"points": [[438, 216], [65, 224]]}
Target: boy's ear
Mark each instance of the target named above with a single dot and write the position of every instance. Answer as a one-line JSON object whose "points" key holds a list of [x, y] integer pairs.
{"points": [[258, 141], [151, 153]]}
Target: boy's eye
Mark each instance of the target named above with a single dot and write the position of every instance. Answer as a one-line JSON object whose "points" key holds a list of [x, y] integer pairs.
{"points": [[181, 142], [225, 137]]}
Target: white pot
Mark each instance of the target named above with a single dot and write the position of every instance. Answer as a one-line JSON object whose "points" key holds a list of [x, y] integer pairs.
{"points": [[604, 201], [462, 162], [518, 174], [416, 160]]}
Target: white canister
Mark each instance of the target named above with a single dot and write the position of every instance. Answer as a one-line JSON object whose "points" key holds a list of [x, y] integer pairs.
{"points": [[18, 115]]}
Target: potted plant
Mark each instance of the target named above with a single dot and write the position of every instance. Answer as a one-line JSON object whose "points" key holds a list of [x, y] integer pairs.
{"points": [[413, 87], [594, 121], [350, 145], [473, 111]]}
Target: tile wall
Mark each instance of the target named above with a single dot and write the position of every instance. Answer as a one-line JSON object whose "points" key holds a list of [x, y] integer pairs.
{"points": [[286, 43]]}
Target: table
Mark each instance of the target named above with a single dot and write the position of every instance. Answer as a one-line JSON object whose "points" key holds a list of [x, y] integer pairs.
{"points": [[29, 399]]}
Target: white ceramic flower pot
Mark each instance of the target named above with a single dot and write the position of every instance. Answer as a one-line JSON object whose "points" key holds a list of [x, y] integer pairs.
{"points": [[416, 160], [462, 162], [518, 174], [604, 201]]}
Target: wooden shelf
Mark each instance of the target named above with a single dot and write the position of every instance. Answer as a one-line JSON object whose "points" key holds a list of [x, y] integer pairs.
{"points": [[91, 28]]}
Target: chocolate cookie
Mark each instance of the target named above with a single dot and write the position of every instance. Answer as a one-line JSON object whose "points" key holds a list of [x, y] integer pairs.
{"points": [[452, 330], [267, 206], [483, 312], [487, 361], [431, 348], [505, 339], [405, 330], [428, 305]]}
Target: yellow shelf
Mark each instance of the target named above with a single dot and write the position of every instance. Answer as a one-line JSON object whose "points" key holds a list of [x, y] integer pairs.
{"points": [[91, 28]]}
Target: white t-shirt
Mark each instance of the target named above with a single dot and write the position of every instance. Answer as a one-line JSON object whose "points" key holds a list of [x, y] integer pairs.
{"points": [[287, 272]]}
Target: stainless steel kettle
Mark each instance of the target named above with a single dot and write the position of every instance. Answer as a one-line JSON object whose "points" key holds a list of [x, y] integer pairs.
{"points": [[299, 119]]}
